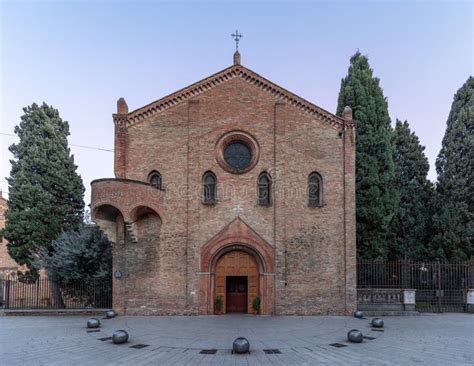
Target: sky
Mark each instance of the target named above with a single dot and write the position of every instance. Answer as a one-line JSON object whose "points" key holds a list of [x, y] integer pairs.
{"points": [[81, 57]]}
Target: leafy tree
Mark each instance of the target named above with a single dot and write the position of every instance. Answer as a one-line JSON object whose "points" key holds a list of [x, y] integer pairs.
{"points": [[84, 254], [411, 223], [453, 220], [376, 198], [78, 262], [45, 192]]}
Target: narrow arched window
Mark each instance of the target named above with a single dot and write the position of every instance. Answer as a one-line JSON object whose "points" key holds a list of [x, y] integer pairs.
{"points": [[209, 184], [315, 190], [264, 189], [155, 179]]}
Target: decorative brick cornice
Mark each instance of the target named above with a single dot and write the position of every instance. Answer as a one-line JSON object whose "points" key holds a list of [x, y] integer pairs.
{"points": [[212, 81], [120, 119], [351, 125], [123, 180]]}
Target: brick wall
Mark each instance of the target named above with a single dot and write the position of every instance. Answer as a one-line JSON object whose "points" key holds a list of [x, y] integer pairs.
{"points": [[314, 247]]}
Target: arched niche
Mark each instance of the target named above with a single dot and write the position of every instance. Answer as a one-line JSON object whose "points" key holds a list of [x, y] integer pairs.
{"points": [[146, 223], [110, 219]]}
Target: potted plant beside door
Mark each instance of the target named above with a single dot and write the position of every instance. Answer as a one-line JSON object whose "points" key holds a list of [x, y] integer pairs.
{"points": [[218, 304], [256, 305]]}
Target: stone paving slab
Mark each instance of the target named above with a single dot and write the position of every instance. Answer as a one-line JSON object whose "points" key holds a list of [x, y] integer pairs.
{"points": [[445, 339]]}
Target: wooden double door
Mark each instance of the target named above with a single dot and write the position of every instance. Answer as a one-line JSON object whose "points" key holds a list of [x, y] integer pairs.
{"points": [[236, 294], [237, 281]]}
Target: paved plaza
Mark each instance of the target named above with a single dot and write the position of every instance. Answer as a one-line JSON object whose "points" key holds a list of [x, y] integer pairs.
{"points": [[446, 339]]}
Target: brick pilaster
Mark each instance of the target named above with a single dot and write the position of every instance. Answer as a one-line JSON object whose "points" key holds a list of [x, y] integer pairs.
{"points": [[120, 141], [349, 212]]}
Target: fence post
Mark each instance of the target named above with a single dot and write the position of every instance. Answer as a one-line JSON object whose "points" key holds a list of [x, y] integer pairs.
{"points": [[409, 300], [405, 274], [439, 292], [37, 283], [7, 293], [470, 273], [470, 286]]}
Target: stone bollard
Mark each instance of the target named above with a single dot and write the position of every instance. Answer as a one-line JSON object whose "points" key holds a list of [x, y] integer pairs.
{"points": [[377, 323], [93, 323], [119, 337], [355, 336], [241, 345]]}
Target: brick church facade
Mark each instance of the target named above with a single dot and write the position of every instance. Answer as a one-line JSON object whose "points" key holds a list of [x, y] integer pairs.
{"points": [[230, 190]]}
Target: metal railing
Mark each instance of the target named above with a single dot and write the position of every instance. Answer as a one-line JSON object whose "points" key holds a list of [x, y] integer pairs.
{"points": [[50, 294], [440, 286]]}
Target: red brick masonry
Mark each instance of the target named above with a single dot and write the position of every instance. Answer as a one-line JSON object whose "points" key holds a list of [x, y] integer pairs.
{"points": [[167, 241]]}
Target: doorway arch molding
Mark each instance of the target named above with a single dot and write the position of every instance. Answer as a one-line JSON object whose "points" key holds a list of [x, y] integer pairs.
{"points": [[235, 246], [238, 236], [238, 232]]}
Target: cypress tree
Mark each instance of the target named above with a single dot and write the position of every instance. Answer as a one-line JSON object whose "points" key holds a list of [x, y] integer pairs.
{"points": [[45, 192], [453, 220], [411, 223], [375, 196]]}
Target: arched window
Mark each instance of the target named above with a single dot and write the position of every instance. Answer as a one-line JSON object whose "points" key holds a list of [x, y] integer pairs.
{"points": [[264, 189], [209, 184], [315, 190], [155, 179]]}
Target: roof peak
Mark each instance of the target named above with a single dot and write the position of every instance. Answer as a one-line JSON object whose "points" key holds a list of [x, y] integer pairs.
{"points": [[236, 58], [231, 72]]}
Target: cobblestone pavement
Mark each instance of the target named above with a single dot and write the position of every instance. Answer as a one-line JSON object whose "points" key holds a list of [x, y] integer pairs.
{"points": [[446, 339]]}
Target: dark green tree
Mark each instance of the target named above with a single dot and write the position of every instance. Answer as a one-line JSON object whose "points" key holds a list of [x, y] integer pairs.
{"points": [[376, 198], [79, 262], [45, 192], [411, 224], [454, 216], [77, 255]]}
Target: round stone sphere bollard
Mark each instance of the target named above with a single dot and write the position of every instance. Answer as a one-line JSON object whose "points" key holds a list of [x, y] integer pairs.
{"points": [[110, 314], [377, 323], [355, 336], [241, 345], [93, 323], [119, 337], [358, 314]]}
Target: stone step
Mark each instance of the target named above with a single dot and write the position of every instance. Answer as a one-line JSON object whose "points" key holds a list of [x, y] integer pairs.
{"points": [[390, 313], [131, 232], [38, 312]]}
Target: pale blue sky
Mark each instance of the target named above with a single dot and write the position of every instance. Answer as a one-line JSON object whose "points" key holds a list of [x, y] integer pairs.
{"points": [[81, 57]]}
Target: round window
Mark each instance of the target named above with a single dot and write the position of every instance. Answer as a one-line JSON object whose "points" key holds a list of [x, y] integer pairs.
{"points": [[237, 152], [238, 155]]}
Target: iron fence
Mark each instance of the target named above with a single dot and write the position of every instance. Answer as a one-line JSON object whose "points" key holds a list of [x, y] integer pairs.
{"points": [[440, 286], [51, 294]]}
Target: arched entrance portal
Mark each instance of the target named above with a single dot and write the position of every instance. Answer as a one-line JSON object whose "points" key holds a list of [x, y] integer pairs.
{"points": [[237, 251], [237, 281]]}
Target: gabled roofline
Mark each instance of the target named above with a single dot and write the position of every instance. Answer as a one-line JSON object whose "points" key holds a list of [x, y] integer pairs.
{"points": [[218, 78]]}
